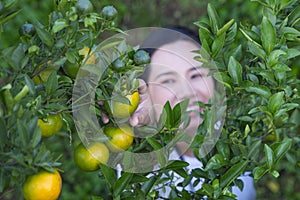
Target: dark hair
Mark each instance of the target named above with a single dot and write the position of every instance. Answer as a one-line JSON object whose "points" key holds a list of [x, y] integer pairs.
{"points": [[163, 36]]}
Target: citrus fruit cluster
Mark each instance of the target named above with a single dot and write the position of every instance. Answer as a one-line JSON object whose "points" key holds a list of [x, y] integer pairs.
{"points": [[120, 135]]}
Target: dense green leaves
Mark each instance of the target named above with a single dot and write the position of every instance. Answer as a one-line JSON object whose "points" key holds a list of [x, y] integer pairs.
{"points": [[276, 100], [268, 35], [230, 175], [259, 104], [235, 70], [121, 183], [44, 35], [257, 63]]}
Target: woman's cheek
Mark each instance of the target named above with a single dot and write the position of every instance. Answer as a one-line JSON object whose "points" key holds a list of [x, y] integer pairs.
{"points": [[160, 96]]}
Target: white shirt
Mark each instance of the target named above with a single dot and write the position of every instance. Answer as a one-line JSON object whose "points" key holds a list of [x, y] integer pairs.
{"points": [[248, 192]]}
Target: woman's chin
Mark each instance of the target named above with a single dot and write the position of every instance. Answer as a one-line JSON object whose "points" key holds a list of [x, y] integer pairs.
{"points": [[195, 121]]}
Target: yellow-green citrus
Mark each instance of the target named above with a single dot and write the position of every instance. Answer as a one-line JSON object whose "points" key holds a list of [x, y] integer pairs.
{"points": [[122, 110], [121, 138], [50, 125], [88, 159], [89, 57], [42, 73], [42, 186]]}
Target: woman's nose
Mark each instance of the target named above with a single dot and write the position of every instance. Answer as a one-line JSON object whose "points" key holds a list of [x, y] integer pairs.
{"points": [[185, 90]]}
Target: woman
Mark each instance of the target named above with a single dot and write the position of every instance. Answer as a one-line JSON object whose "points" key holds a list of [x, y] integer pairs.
{"points": [[174, 76]]}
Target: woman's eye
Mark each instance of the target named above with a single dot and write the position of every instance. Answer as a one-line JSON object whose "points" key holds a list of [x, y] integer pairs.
{"points": [[197, 75], [168, 81]]}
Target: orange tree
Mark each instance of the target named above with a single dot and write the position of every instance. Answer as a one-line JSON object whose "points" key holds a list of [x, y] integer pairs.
{"points": [[37, 127], [257, 69]]}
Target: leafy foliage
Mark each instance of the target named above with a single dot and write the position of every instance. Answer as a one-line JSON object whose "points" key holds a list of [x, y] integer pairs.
{"points": [[257, 62]]}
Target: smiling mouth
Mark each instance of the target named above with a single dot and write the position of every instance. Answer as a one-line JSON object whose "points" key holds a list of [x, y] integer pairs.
{"points": [[194, 110]]}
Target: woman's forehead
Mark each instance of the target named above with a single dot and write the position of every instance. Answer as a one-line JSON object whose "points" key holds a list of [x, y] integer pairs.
{"points": [[178, 51], [177, 54]]}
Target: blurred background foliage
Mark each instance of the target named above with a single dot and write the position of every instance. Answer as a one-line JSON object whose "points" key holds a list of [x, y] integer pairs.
{"points": [[135, 14], [138, 13]]}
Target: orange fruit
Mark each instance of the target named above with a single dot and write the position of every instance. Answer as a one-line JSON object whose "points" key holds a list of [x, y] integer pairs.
{"points": [[122, 110], [121, 138], [89, 57], [89, 158], [42, 186], [50, 125], [43, 75]]}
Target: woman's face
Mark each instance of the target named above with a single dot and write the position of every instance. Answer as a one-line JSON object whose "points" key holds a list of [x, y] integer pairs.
{"points": [[175, 76]]}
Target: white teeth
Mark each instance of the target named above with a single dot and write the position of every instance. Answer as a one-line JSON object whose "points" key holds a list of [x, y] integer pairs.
{"points": [[193, 108]]}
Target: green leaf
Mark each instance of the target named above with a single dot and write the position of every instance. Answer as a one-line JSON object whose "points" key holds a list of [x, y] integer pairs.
{"points": [[109, 43], [23, 133], [96, 198], [178, 111], [234, 52], [205, 37], [137, 178], [148, 185], [29, 82], [181, 172], [52, 83], [269, 156], [275, 173], [235, 70], [231, 174], [122, 183], [35, 132], [176, 164], [17, 56], [215, 162], [259, 171], [256, 50], [59, 25], [251, 36], [289, 106], [169, 121], [128, 161], [260, 90], [154, 143], [223, 148], [274, 56], [280, 67], [245, 118], [291, 53], [208, 189], [218, 45], [223, 78], [2, 180], [230, 36], [291, 33], [275, 101], [294, 16], [254, 149], [225, 27], [109, 174], [45, 36], [282, 148], [213, 18], [9, 17], [268, 75], [3, 132], [162, 120]]}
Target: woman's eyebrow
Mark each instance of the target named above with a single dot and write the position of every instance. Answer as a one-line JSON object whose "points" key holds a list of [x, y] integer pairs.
{"points": [[164, 74], [196, 68]]}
